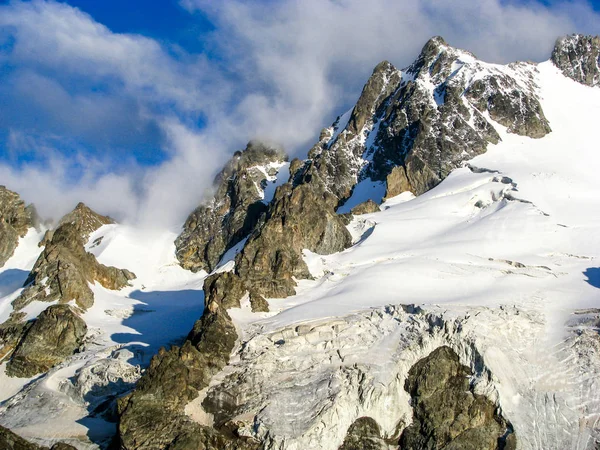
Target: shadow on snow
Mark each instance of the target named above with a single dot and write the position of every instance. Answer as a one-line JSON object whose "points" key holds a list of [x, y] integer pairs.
{"points": [[593, 276], [163, 318], [11, 280]]}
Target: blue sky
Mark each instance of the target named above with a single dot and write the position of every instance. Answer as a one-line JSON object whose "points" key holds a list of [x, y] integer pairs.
{"points": [[132, 105]]}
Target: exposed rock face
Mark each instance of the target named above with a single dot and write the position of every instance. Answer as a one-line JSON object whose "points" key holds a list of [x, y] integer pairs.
{"points": [[301, 217], [11, 441], [15, 220], [427, 120], [55, 335], [364, 434], [578, 57], [338, 159], [367, 207], [397, 182], [64, 269], [152, 417], [447, 414], [233, 212], [61, 273]]}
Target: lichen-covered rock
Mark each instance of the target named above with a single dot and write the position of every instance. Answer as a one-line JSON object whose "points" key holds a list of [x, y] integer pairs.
{"points": [[365, 434], [11, 332], [578, 57], [55, 335], [64, 269], [447, 414], [15, 220], [234, 210]]}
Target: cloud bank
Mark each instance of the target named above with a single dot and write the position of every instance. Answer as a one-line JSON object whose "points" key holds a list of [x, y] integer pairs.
{"points": [[137, 128]]}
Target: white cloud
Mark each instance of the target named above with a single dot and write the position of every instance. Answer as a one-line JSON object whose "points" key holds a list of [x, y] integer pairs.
{"points": [[285, 70]]}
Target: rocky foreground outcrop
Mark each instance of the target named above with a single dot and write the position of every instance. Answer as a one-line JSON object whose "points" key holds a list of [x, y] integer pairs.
{"points": [[234, 210], [64, 268], [15, 219], [61, 274], [447, 414], [153, 416], [578, 57]]}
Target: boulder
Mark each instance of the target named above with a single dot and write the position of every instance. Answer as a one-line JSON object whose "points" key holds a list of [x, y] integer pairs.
{"points": [[447, 414], [54, 336]]}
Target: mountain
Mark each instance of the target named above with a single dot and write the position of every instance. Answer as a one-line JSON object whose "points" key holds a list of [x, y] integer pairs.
{"points": [[424, 279]]}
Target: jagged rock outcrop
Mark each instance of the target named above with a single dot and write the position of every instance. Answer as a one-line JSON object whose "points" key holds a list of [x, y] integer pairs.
{"points": [[365, 434], [55, 335], [301, 217], [15, 220], [12, 441], [578, 57], [419, 124], [61, 274], [447, 413], [153, 416], [337, 157], [64, 269], [234, 210]]}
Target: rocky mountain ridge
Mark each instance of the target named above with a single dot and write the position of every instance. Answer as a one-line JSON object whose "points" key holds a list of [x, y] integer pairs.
{"points": [[233, 384], [409, 128]]}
